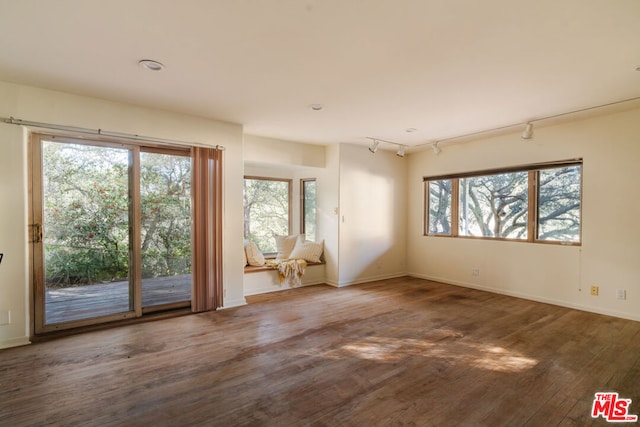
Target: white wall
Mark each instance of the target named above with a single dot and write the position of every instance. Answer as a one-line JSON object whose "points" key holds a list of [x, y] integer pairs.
{"points": [[328, 194], [269, 151], [34, 104], [14, 289], [373, 200], [610, 253]]}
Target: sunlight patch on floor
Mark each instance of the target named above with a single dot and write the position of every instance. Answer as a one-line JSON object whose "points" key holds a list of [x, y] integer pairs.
{"points": [[392, 350]]}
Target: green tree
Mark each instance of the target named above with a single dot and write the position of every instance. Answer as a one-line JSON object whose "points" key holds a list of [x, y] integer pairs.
{"points": [[494, 205], [87, 213], [559, 204], [266, 211], [86, 208], [165, 192]]}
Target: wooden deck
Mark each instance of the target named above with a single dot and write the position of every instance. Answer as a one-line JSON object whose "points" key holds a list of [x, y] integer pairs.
{"points": [[82, 302]]}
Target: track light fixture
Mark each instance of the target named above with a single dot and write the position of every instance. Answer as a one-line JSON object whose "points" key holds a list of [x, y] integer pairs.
{"points": [[436, 150], [402, 149], [528, 131]]}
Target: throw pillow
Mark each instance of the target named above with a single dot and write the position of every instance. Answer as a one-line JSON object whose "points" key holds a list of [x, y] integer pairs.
{"points": [[254, 256], [309, 251], [285, 244]]}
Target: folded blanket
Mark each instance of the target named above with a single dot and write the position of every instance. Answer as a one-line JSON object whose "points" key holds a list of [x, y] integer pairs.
{"points": [[292, 269]]}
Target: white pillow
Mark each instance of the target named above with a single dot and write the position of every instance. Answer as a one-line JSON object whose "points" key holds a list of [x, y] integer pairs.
{"points": [[254, 256], [285, 244], [309, 251]]}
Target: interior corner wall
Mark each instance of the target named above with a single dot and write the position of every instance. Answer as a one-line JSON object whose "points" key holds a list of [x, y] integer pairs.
{"points": [[328, 202], [372, 215], [609, 146], [33, 104]]}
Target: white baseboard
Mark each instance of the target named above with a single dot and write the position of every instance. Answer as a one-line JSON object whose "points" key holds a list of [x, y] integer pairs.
{"points": [[369, 279], [537, 298], [14, 342], [234, 303]]}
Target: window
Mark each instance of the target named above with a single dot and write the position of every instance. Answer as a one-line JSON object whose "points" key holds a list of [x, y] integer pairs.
{"points": [[439, 206], [540, 203], [494, 205], [559, 204], [267, 212], [308, 209]]}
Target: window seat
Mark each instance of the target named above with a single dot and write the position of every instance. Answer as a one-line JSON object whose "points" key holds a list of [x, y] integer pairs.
{"points": [[263, 279], [256, 269]]}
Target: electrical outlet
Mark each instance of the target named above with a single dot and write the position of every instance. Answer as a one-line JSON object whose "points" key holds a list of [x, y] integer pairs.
{"points": [[594, 290], [621, 294], [475, 271]]}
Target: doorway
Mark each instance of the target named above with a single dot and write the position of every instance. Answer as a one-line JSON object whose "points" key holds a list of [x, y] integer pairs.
{"points": [[111, 230]]}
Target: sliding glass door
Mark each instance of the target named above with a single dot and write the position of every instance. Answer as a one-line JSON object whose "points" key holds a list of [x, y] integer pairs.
{"points": [[111, 231], [165, 200]]}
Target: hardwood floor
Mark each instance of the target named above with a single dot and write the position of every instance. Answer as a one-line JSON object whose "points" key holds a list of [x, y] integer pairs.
{"points": [[396, 352]]}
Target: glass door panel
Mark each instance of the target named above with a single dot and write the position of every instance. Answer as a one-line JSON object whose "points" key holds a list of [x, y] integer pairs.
{"points": [[165, 203], [86, 223]]}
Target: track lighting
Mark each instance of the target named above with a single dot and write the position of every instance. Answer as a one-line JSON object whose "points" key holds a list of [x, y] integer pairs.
{"points": [[436, 150], [528, 131], [402, 149]]}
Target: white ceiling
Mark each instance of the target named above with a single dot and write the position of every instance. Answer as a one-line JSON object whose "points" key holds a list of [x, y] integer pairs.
{"points": [[444, 67]]}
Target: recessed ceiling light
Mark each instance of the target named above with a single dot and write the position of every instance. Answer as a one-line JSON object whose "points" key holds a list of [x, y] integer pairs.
{"points": [[150, 64], [410, 130], [316, 107]]}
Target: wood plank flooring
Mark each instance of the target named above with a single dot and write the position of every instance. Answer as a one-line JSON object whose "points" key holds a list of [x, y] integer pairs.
{"points": [[401, 352]]}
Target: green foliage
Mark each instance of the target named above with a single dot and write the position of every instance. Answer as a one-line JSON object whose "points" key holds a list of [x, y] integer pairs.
{"points": [[310, 205], [266, 212], [165, 192], [87, 210]]}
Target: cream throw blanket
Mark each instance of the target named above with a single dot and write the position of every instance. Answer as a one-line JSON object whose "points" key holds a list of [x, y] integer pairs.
{"points": [[291, 269]]}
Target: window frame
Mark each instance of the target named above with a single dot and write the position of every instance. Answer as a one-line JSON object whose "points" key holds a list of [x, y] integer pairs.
{"points": [[532, 206], [289, 202]]}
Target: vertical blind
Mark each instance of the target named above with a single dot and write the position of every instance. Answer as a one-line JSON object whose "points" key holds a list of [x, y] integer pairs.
{"points": [[207, 292]]}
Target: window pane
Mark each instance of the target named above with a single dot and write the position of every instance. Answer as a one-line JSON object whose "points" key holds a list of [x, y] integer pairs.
{"points": [[439, 207], [559, 204], [494, 206], [309, 209], [165, 199], [266, 211], [86, 238]]}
